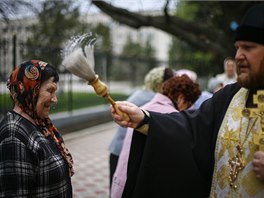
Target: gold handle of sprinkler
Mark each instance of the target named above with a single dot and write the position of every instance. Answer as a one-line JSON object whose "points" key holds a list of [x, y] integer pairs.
{"points": [[101, 90]]}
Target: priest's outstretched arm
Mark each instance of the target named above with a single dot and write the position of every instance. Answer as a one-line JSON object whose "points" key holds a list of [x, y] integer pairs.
{"points": [[138, 118]]}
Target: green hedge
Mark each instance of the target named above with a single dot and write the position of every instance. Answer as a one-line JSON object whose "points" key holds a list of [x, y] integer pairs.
{"points": [[68, 101]]}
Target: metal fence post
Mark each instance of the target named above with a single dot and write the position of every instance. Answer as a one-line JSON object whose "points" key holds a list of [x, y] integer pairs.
{"points": [[14, 51]]}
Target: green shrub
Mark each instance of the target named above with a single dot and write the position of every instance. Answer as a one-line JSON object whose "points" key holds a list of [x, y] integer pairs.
{"points": [[68, 101]]}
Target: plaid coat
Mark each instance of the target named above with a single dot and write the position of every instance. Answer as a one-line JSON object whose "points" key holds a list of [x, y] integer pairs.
{"points": [[30, 164]]}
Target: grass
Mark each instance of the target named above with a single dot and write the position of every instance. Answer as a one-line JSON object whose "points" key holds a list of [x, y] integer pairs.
{"points": [[68, 101]]}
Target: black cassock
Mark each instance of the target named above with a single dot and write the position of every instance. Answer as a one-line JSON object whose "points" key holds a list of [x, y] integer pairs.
{"points": [[176, 158]]}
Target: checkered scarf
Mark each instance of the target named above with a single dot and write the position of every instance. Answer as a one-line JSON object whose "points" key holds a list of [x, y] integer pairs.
{"points": [[25, 82]]}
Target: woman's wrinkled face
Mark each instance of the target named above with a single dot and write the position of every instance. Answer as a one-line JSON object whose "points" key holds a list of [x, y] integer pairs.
{"points": [[47, 97], [250, 63]]}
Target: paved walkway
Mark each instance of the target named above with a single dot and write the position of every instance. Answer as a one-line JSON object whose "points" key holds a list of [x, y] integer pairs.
{"points": [[91, 162]]}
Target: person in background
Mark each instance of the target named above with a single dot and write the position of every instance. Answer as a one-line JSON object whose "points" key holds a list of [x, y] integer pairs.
{"points": [[191, 74], [152, 84], [34, 161], [213, 86], [178, 93], [217, 150], [230, 72]]}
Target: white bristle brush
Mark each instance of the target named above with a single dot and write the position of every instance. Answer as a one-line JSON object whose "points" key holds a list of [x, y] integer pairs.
{"points": [[78, 65], [81, 64]]}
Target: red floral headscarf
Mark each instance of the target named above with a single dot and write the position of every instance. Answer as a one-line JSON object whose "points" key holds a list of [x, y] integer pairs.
{"points": [[25, 82]]}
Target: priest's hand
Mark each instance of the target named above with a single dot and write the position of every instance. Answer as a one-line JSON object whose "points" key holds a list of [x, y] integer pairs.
{"points": [[134, 113], [258, 165]]}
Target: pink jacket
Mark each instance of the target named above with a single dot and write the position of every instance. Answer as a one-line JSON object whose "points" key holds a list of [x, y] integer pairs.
{"points": [[160, 103]]}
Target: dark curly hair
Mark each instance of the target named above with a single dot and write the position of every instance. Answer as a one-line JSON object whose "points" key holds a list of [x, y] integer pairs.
{"points": [[177, 85]]}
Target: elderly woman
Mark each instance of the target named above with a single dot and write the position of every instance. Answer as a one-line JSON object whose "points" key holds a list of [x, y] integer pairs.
{"points": [[33, 159], [178, 93]]}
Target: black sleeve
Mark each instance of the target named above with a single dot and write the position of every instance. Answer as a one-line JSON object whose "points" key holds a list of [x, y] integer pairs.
{"points": [[176, 159]]}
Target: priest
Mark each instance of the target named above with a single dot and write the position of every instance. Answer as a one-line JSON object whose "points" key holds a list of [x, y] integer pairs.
{"points": [[216, 151]]}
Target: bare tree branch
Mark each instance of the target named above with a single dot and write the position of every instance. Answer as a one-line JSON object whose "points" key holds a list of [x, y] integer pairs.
{"points": [[165, 10], [10, 7], [200, 35]]}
